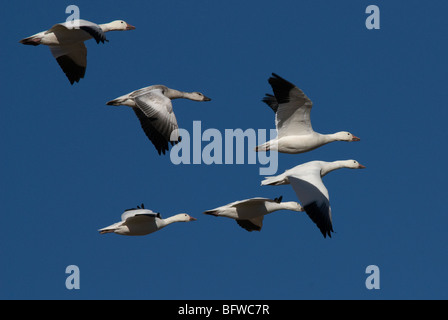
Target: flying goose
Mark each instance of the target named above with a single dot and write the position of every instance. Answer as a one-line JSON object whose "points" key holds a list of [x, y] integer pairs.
{"points": [[306, 180], [292, 119], [154, 109], [249, 213], [140, 221], [66, 42]]}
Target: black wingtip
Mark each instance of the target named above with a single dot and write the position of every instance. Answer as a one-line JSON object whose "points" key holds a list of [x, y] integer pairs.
{"points": [[279, 199], [73, 71], [248, 225], [96, 33], [319, 215], [271, 101], [281, 88], [157, 139], [278, 78]]}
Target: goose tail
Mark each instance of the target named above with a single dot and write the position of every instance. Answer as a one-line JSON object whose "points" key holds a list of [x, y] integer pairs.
{"points": [[123, 100], [105, 230], [264, 147], [115, 102], [275, 180], [31, 41], [109, 229], [213, 212]]}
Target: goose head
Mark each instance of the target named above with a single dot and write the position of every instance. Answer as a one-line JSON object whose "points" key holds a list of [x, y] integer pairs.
{"points": [[353, 164], [119, 25], [183, 217], [346, 136], [197, 96]]}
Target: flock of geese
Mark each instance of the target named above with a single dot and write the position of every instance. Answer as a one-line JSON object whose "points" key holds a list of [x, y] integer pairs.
{"points": [[153, 107]]}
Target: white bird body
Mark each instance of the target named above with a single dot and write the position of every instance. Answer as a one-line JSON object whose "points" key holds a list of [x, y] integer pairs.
{"points": [[140, 221], [299, 143], [306, 180], [66, 43], [293, 123], [249, 213], [154, 109], [61, 34]]}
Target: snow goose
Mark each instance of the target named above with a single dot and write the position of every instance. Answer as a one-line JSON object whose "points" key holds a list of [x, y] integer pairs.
{"points": [[140, 221], [292, 119], [66, 42], [154, 109], [249, 213], [306, 180]]}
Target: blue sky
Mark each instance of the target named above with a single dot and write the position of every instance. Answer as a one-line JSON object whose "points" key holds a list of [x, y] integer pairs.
{"points": [[70, 164]]}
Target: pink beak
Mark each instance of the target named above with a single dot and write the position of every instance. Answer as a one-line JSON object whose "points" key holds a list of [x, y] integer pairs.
{"points": [[193, 219], [130, 27], [361, 167], [355, 138]]}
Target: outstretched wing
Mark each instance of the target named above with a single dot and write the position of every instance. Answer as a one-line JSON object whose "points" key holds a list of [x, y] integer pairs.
{"points": [[250, 225], [139, 213], [271, 101], [157, 119], [92, 29], [292, 114], [314, 197], [72, 59]]}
